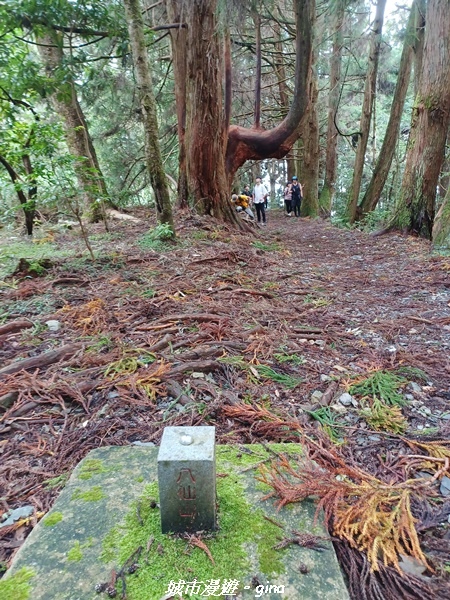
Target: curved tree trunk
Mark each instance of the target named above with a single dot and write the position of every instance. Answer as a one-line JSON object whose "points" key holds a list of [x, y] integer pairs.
{"points": [[155, 166], [176, 14], [327, 193], [256, 144], [366, 114], [430, 122], [79, 142], [383, 165], [215, 150]]}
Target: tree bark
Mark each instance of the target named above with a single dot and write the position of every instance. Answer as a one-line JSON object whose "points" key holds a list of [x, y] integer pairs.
{"points": [[79, 142], [366, 114], [383, 164], [415, 208], [329, 187], [309, 161], [206, 133], [175, 14], [141, 64], [441, 226]]}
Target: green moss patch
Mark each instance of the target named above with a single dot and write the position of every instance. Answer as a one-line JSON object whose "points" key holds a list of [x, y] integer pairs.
{"points": [[17, 587], [52, 519], [90, 467], [242, 531], [93, 495], [75, 554]]}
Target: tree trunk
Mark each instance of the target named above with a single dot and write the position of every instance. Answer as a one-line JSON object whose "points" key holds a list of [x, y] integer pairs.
{"points": [[215, 150], [309, 162], [420, 38], [141, 64], [366, 114], [79, 142], [206, 134], [28, 204], [430, 122], [255, 144], [384, 161], [441, 227], [329, 186], [175, 14]]}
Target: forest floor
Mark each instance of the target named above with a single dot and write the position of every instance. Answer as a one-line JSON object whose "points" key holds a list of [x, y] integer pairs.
{"points": [[303, 331]]}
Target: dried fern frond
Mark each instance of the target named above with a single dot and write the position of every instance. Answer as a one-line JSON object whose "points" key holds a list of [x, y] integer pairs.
{"points": [[372, 516]]}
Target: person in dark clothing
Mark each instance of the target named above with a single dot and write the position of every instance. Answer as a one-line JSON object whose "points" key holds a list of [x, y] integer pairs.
{"points": [[297, 195]]}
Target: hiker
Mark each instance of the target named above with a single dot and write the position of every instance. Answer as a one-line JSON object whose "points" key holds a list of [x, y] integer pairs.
{"points": [[287, 195], [246, 192], [259, 197], [242, 203], [297, 195]]}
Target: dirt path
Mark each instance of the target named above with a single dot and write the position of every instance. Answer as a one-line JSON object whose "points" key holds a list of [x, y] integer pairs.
{"points": [[288, 320]]}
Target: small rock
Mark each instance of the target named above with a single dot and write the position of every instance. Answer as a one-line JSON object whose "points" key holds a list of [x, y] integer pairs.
{"points": [[420, 427], [412, 566], [324, 378], [53, 325], [374, 438], [345, 399], [445, 416], [339, 408], [139, 443], [414, 387], [425, 410], [197, 375], [445, 486], [409, 397], [18, 513], [316, 396]]}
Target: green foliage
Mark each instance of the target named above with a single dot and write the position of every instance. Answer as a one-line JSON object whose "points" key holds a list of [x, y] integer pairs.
{"points": [[327, 418], [383, 385], [287, 381], [255, 372], [93, 495], [412, 373], [285, 357], [52, 519], [384, 418], [273, 247], [57, 482], [159, 239], [17, 586]]}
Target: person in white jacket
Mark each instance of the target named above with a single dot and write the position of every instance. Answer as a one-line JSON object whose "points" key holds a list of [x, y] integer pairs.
{"points": [[259, 197]]}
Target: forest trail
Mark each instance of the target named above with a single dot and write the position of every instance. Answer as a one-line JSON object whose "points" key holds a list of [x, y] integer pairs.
{"points": [[287, 321]]}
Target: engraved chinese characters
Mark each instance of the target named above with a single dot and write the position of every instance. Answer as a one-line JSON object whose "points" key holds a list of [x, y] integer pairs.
{"points": [[187, 479]]}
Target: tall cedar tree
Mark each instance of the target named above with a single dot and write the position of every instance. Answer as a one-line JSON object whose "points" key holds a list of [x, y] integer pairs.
{"points": [[153, 158], [415, 208], [367, 109]]}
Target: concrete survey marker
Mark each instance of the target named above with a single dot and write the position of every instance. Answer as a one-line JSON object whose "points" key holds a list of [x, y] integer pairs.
{"points": [[187, 479], [109, 509]]}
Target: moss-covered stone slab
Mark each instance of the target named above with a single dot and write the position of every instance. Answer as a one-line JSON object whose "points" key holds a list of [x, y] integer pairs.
{"points": [[109, 509]]}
